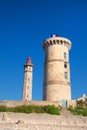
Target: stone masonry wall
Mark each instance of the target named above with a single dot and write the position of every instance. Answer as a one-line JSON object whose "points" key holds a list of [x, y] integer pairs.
{"points": [[13, 103]]}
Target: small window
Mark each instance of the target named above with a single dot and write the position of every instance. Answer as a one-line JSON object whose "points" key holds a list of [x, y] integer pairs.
{"points": [[65, 64], [28, 68], [61, 42], [65, 75], [54, 41], [58, 41], [25, 76], [28, 87], [86, 100], [51, 42], [64, 55]]}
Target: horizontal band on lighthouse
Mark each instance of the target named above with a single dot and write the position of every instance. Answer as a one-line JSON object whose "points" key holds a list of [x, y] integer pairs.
{"points": [[57, 82], [28, 65], [62, 60], [27, 70]]}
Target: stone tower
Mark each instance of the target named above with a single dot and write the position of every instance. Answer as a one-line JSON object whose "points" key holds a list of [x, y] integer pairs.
{"points": [[27, 88], [56, 69]]}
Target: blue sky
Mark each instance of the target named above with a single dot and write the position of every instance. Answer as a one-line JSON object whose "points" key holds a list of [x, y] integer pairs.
{"points": [[24, 25]]}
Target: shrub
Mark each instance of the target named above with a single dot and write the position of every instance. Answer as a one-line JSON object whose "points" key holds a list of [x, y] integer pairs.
{"points": [[80, 103], [51, 109], [79, 111], [32, 109], [3, 108], [71, 109]]}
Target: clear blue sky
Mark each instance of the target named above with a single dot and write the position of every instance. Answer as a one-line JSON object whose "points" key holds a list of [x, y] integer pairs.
{"points": [[24, 24]]}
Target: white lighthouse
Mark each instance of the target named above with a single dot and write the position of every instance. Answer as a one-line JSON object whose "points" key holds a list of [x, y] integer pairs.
{"points": [[28, 72], [57, 69]]}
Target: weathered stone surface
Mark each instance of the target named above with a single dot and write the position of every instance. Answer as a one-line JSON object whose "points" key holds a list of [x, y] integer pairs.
{"points": [[65, 121]]}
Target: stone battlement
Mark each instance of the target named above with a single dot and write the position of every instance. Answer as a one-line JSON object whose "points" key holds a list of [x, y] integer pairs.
{"points": [[57, 40]]}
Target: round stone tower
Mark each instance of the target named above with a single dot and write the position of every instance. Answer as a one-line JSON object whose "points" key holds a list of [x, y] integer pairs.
{"points": [[27, 88], [56, 69]]}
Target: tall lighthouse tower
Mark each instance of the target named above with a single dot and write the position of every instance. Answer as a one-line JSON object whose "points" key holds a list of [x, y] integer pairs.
{"points": [[27, 88], [57, 69]]}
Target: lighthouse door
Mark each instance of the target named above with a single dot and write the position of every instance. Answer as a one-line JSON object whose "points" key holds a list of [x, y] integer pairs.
{"points": [[64, 103]]}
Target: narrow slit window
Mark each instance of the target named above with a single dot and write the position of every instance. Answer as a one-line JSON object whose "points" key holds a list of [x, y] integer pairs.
{"points": [[64, 55], [86, 100], [28, 87], [65, 75], [65, 64]]}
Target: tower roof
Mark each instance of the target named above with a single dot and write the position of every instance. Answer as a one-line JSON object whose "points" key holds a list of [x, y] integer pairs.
{"points": [[28, 62]]}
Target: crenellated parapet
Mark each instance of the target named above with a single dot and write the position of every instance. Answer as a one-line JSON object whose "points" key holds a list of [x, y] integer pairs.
{"points": [[57, 40]]}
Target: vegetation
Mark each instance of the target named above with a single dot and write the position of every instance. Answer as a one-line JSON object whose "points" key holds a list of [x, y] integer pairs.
{"points": [[51, 109], [79, 110], [80, 103]]}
